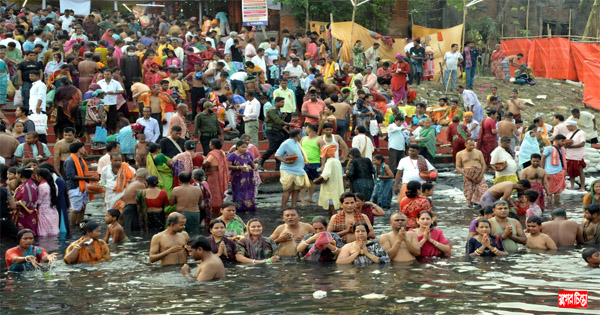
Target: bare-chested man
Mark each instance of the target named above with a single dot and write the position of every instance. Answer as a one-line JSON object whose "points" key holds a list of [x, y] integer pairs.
{"points": [[507, 128], [343, 222], [211, 268], [503, 191], [535, 238], [288, 235], [471, 164], [591, 224], [197, 87], [401, 245], [515, 105], [168, 245], [509, 229], [61, 149], [343, 112], [538, 179], [563, 232], [131, 218], [512, 60], [187, 200]]}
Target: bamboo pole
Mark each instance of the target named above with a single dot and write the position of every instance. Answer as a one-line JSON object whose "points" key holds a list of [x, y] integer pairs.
{"points": [[333, 41], [307, 26], [527, 20], [570, 12], [464, 23], [351, 45]]}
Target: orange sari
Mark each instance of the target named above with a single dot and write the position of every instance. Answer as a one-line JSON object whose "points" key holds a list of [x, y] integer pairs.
{"points": [[218, 179]]}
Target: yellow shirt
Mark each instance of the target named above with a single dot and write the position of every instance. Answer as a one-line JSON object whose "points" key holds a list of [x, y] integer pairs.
{"points": [[161, 47], [179, 85]]}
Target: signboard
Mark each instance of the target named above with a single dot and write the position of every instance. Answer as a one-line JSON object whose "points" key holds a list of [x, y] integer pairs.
{"points": [[80, 7], [255, 12]]}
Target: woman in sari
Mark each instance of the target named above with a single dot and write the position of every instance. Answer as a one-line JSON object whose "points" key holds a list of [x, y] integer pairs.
{"points": [[25, 216], [253, 248], [497, 56], [593, 197], [220, 245], [49, 220], [457, 135], [54, 65], [400, 71], [234, 225], [151, 206], [89, 248], [358, 55], [61, 201], [360, 252], [159, 165], [4, 76], [152, 74], [95, 114], [361, 174], [413, 203], [242, 167], [25, 256], [217, 173], [321, 246], [529, 146], [108, 37], [488, 135], [484, 243], [431, 240]]}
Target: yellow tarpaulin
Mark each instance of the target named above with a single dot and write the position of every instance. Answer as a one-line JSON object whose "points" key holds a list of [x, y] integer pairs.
{"points": [[341, 31]]}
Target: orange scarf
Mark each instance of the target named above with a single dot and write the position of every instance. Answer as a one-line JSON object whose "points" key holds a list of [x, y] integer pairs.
{"points": [[124, 176], [80, 171], [223, 171]]}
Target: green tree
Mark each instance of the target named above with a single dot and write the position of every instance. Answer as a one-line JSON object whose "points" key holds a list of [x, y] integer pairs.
{"points": [[421, 12]]}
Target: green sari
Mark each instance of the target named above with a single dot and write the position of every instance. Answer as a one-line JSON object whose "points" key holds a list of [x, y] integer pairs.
{"points": [[158, 167], [427, 139]]}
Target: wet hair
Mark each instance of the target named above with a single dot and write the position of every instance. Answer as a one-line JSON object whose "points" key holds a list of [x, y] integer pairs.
{"points": [[152, 148], [536, 156], [431, 215], [483, 221], [47, 176], [69, 129], [426, 186], [585, 254], [525, 183], [89, 226], [199, 242], [25, 172], [22, 233], [75, 146], [173, 219], [184, 177], [593, 209], [559, 213], [357, 224], [509, 114], [534, 219], [412, 189], [217, 143], [215, 221], [289, 209], [152, 181], [486, 211], [114, 213], [347, 195], [320, 219]]}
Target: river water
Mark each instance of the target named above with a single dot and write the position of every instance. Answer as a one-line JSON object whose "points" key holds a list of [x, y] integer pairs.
{"points": [[525, 282]]}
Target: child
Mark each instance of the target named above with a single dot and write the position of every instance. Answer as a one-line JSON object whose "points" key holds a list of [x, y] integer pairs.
{"points": [[114, 229], [535, 238], [522, 203], [98, 60], [427, 192], [386, 91], [140, 150], [382, 194], [327, 117], [123, 122], [274, 72], [532, 208], [296, 123], [345, 95], [592, 257], [12, 182], [362, 109]]}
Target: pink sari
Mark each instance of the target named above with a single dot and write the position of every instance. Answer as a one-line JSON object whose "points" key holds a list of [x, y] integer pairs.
{"points": [[497, 57], [26, 214], [110, 41]]}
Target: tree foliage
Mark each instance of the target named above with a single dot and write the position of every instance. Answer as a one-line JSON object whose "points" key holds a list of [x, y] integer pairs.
{"points": [[422, 12], [374, 15]]}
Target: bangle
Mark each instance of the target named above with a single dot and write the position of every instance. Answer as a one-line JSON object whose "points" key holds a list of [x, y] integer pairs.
{"points": [[494, 249], [479, 252], [253, 261]]}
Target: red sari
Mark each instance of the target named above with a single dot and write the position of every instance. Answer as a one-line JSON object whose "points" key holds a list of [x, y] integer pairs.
{"points": [[217, 174], [411, 207], [487, 140], [497, 57], [151, 73], [26, 214], [457, 135]]}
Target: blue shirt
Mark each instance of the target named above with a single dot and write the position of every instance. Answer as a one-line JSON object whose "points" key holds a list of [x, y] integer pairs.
{"points": [[551, 169], [28, 46], [70, 172], [237, 99], [291, 147], [222, 17], [147, 41]]}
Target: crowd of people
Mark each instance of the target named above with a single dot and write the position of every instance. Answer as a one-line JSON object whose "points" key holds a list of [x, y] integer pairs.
{"points": [[148, 91]]}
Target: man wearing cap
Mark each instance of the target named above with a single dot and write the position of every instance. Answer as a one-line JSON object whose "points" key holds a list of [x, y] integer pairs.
{"points": [[472, 126], [206, 125], [575, 145]]}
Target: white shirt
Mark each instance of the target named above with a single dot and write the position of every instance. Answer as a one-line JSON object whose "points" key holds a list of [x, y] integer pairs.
{"points": [[397, 139], [295, 71], [109, 180], [475, 132], [5, 42], [250, 51], [408, 47], [179, 53], [364, 145], [410, 170], [472, 104], [66, 22], [228, 45], [452, 60], [113, 86], [260, 61], [251, 110], [239, 76], [586, 124], [37, 92], [151, 129], [500, 155], [576, 154]]}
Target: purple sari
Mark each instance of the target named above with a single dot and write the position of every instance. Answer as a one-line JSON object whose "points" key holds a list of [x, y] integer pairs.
{"points": [[26, 214], [242, 182]]}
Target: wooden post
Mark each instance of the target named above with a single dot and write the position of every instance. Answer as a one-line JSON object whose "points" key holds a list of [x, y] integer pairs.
{"points": [[527, 21], [333, 41], [570, 12], [464, 23], [350, 44], [307, 18]]}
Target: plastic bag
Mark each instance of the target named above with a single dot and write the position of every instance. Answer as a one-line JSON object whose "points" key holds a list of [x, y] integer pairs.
{"points": [[18, 100], [101, 135], [40, 121], [373, 127], [10, 92]]}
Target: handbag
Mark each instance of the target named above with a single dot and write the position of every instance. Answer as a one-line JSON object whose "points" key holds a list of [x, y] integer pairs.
{"points": [[101, 135], [40, 121]]}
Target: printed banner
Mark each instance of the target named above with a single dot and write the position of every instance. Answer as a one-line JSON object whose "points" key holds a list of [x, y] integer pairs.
{"points": [[80, 7], [255, 12]]}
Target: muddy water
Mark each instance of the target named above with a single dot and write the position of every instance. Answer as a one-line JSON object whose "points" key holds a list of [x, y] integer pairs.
{"points": [[525, 282]]}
